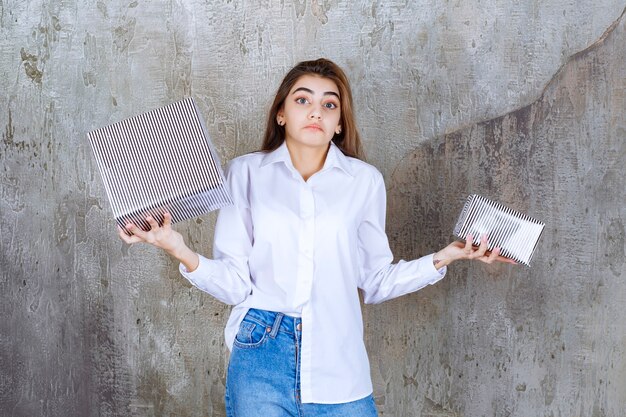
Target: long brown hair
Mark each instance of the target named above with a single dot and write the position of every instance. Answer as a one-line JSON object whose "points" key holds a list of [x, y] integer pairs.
{"points": [[348, 140]]}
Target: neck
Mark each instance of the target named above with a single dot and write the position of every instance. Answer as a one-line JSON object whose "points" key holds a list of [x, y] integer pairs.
{"points": [[307, 160]]}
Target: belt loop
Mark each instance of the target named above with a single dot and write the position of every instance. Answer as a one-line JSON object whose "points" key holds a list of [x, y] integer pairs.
{"points": [[276, 326]]}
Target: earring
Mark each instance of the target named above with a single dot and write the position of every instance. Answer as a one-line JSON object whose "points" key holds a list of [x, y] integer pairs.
{"points": [[338, 131]]}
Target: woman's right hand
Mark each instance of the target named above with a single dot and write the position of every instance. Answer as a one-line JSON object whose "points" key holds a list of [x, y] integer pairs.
{"points": [[163, 237]]}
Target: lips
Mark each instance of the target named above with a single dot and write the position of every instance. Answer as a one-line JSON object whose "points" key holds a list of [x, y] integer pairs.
{"points": [[314, 127]]}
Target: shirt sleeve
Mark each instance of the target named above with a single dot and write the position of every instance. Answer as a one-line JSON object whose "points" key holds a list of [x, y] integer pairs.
{"points": [[227, 276], [382, 280]]}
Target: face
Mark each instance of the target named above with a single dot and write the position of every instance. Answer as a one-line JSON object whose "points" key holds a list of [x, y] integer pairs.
{"points": [[311, 112]]}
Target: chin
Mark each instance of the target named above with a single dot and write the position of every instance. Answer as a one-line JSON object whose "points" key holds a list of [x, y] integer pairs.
{"points": [[316, 143], [312, 141]]}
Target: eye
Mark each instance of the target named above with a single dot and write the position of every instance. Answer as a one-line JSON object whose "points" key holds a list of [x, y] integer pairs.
{"points": [[301, 100], [330, 105]]}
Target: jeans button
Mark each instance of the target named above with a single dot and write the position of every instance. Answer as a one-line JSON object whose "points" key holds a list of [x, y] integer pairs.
{"points": [[268, 329], [299, 326]]}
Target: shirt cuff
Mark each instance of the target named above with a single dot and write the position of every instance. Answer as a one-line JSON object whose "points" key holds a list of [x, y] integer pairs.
{"points": [[201, 273], [438, 273]]}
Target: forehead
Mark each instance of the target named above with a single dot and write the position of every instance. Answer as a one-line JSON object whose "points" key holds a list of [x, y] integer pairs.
{"points": [[315, 83]]}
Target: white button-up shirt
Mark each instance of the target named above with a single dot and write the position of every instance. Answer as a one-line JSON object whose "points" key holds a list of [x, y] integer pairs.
{"points": [[304, 248]]}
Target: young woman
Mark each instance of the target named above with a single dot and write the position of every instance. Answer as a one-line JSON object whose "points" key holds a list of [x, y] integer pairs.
{"points": [[306, 231]]}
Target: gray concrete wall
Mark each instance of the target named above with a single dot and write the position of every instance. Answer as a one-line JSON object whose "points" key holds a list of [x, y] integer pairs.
{"points": [[521, 102]]}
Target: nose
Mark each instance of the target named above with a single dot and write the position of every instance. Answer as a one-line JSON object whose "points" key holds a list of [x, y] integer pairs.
{"points": [[316, 112]]}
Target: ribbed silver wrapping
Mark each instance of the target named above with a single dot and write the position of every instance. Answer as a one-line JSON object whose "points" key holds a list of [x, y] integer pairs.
{"points": [[160, 161], [516, 234]]}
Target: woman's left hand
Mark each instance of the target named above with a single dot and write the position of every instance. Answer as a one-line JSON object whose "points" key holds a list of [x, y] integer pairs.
{"points": [[465, 250]]}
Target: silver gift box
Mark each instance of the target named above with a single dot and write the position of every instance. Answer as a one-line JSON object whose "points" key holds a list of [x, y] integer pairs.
{"points": [[160, 161], [516, 234]]}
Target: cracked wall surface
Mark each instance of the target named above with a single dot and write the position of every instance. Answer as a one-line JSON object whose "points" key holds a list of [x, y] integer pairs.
{"points": [[498, 340], [520, 102]]}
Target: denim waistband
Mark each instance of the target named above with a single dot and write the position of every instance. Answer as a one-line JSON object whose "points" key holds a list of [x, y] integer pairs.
{"points": [[276, 321]]}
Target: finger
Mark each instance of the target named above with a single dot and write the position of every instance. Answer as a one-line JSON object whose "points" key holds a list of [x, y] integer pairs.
{"points": [[137, 232], [482, 249], [122, 234], [127, 239], [468, 244], [167, 219], [493, 256], [153, 223], [498, 258], [507, 260]]}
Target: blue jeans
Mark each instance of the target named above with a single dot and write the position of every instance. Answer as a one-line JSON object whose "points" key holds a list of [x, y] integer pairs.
{"points": [[263, 373]]}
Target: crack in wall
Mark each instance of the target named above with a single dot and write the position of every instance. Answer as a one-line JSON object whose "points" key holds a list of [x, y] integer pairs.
{"points": [[605, 35]]}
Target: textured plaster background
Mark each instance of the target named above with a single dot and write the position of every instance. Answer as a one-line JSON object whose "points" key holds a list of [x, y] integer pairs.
{"points": [[520, 101]]}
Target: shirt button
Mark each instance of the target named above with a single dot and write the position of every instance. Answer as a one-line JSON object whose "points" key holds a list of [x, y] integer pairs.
{"points": [[299, 326]]}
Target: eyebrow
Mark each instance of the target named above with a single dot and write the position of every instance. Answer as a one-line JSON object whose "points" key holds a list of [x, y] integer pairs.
{"points": [[308, 90]]}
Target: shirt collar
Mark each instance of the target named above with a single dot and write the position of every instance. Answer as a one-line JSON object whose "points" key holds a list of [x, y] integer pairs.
{"points": [[280, 154], [334, 159]]}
